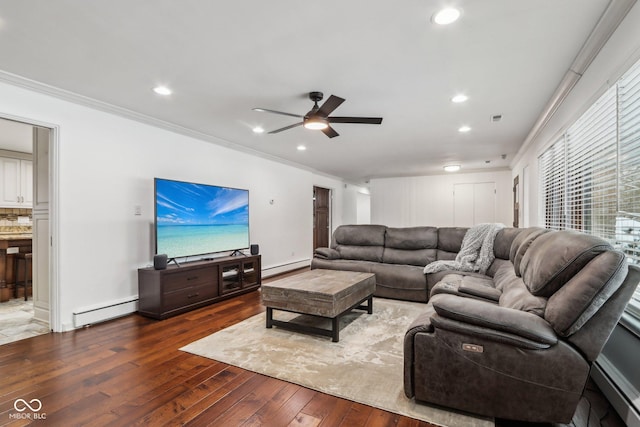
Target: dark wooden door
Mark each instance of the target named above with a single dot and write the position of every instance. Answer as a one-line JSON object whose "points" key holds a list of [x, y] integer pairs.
{"points": [[321, 217]]}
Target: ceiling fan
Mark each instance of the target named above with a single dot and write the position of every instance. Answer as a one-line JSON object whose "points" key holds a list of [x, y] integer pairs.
{"points": [[318, 117]]}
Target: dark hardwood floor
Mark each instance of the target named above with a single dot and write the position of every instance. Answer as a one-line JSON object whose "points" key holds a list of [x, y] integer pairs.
{"points": [[130, 371]]}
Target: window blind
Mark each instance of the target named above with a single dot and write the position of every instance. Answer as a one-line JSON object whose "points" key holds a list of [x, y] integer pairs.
{"points": [[628, 220], [552, 184], [591, 168], [590, 178]]}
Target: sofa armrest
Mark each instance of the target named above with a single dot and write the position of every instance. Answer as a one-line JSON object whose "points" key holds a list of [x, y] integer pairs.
{"points": [[326, 253], [492, 317], [481, 291]]}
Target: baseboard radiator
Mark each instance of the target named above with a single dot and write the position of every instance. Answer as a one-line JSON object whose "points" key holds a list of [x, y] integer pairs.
{"points": [[100, 313], [621, 394], [283, 268]]}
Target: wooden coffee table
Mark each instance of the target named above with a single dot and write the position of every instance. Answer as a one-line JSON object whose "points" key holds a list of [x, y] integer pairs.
{"points": [[322, 293]]}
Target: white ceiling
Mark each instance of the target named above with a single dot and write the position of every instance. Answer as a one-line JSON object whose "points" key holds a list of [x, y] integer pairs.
{"points": [[386, 58]]}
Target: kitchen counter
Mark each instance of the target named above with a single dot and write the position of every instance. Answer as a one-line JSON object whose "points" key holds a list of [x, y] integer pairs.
{"points": [[15, 236]]}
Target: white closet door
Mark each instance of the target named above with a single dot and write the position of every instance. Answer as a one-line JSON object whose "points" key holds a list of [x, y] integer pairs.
{"points": [[463, 201], [484, 202], [474, 203]]}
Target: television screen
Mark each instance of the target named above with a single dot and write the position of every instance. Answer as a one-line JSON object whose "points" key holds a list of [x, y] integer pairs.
{"points": [[197, 219]]}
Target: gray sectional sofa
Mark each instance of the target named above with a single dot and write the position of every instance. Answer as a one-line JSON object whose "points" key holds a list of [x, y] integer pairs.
{"points": [[516, 343], [398, 256]]}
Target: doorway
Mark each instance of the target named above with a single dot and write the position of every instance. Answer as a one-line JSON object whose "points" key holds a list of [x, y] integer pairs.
{"points": [[34, 141], [321, 217]]}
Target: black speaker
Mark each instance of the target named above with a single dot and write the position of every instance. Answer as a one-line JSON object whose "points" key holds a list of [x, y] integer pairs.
{"points": [[160, 261], [255, 249]]}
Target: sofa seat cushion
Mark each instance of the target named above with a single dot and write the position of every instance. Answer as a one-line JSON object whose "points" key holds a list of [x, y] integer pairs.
{"points": [[342, 264], [555, 257], [514, 292], [405, 282]]}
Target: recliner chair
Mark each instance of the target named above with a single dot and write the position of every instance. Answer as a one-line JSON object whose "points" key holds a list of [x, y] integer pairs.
{"points": [[526, 353]]}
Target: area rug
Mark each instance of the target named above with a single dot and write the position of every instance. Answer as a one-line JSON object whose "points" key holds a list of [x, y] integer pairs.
{"points": [[365, 366]]}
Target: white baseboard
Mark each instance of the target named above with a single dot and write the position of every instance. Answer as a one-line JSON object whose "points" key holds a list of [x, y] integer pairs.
{"points": [[99, 313], [622, 395]]}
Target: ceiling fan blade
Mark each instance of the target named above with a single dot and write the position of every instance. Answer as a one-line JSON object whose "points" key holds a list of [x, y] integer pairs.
{"points": [[265, 110], [362, 120], [286, 128], [330, 104], [330, 132]]}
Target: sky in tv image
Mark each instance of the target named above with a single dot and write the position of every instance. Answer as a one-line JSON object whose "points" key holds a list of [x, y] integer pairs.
{"points": [[195, 219], [181, 203]]}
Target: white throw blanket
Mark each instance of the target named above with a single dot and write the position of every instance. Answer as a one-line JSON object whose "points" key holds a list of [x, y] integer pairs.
{"points": [[476, 253]]}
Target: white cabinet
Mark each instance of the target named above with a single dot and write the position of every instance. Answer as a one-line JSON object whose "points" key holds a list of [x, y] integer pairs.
{"points": [[16, 186]]}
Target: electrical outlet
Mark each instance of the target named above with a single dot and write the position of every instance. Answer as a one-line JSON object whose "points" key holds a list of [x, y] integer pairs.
{"points": [[137, 210]]}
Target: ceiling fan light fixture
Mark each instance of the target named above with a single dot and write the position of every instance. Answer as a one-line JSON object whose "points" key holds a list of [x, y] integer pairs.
{"points": [[452, 168], [316, 123], [258, 129]]}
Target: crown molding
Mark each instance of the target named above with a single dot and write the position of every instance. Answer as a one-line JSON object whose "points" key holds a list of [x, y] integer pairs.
{"points": [[75, 98]]}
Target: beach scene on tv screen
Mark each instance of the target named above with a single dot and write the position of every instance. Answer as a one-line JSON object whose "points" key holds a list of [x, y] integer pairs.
{"points": [[194, 219]]}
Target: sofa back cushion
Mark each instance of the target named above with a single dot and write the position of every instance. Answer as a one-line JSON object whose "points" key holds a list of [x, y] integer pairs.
{"points": [[502, 242], [410, 245], [520, 245], [450, 241], [554, 258], [359, 242]]}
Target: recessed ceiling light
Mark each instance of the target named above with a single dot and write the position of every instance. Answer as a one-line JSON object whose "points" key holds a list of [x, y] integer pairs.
{"points": [[162, 90], [301, 148], [452, 168], [258, 129], [464, 129], [459, 98], [446, 16]]}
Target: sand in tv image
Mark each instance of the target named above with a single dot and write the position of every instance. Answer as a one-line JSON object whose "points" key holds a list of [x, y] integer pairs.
{"points": [[196, 219]]}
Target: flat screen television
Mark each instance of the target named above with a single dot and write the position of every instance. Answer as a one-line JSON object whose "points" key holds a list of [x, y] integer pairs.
{"points": [[197, 219]]}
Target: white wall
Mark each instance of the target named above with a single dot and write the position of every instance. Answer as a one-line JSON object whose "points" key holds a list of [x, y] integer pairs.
{"points": [[356, 205], [621, 51], [106, 167], [428, 200]]}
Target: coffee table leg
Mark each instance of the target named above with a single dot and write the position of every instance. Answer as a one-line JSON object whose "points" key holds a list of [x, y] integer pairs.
{"points": [[269, 317], [335, 328], [370, 305]]}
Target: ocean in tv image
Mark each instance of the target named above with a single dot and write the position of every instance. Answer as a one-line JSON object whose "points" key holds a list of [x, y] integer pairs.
{"points": [[194, 219]]}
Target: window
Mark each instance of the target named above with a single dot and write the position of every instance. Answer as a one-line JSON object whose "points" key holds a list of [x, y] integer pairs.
{"points": [[590, 178]]}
